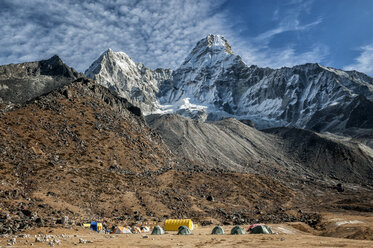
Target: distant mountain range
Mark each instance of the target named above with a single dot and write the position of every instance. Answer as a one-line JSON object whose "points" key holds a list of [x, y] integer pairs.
{"points": [[214, 83]]}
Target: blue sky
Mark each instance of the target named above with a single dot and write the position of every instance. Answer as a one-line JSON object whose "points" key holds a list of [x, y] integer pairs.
{"points": [[160, 33]]}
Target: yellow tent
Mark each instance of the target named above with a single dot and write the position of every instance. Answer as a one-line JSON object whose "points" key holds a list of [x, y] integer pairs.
{"points": [[99, 227], [87, 225], [173, 225]]}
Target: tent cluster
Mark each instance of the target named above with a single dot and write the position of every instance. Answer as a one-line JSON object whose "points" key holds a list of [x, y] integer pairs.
{"points": [[182, 230], [128, 229], [237, 230], [182, 226], [98, 227], [121, 229]]}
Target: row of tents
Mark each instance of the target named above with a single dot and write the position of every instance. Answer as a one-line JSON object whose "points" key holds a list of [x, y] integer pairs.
{"points": [[128, 229], [182, 226], [218, 230]]}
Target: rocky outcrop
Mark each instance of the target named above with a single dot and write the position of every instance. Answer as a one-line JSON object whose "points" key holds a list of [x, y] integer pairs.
{"points": [[20, 83]]}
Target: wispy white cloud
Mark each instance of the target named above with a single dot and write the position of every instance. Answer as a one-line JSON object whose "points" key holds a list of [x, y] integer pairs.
{"points": [[257, 50], [276, 58], [288, 20], [364, 62], [158, 33], [286, 26]]}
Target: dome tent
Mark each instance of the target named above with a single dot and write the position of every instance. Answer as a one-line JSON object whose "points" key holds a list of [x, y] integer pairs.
{"points": [[184, 230], [157, 230], [120, 230], [261, 229], [237, 230], [217, 230]]}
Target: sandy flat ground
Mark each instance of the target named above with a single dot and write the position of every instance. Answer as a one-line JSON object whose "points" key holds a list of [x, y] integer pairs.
{"points": [[287, 236]]}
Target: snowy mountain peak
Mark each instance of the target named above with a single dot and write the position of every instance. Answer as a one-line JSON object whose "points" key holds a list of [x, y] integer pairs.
{"points": [[111, 59], [208, 51], [218, 42], [118, 72]]}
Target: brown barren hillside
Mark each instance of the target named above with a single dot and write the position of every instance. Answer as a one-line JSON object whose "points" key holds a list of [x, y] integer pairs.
{"points": [[80, 151]]}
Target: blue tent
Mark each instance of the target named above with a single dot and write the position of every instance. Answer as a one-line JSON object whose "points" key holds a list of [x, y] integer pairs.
{"points": [[94, 226]]}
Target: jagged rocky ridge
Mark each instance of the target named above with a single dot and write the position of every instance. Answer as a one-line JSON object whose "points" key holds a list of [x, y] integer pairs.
{"points": [[213, 83], [22, 82]]}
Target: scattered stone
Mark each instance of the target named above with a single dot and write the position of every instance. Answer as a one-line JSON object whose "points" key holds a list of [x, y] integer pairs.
{"points": [[210, 198], [82, 241], [206, 223], [65, 220], [339, 187], [39, 221], [25, 236], [282, 239], [57, 241], [38, 239], [145, 236], [12, 241]]}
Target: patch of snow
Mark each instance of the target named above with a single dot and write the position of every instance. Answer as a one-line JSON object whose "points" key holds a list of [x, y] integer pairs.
{"points": [[333, 103], [336, 71], [284, 230], [3, 87], [340, 223]]}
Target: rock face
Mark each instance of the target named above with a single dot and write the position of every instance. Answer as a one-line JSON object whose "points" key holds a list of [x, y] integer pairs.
{"points": [[278, 152], [22, 82], [214, 83], [135, 82]]}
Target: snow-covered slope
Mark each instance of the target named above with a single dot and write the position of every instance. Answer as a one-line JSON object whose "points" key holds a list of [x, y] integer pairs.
{"points": [[133, 81], [213, 83], [221, 84]]}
